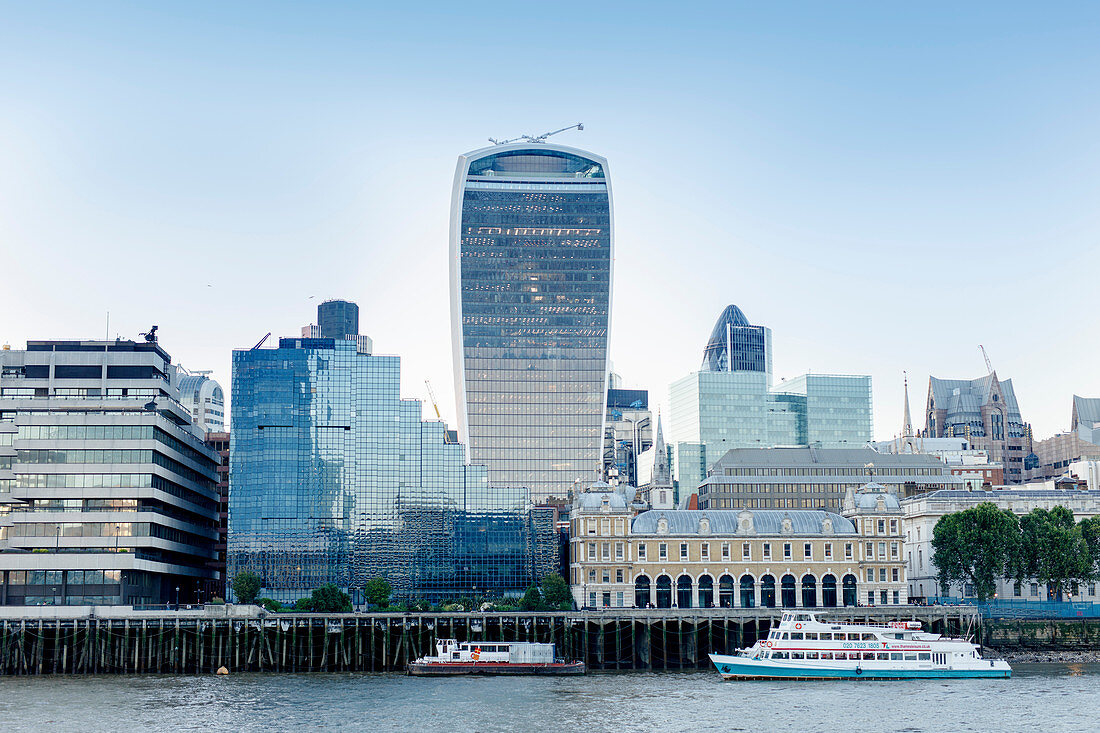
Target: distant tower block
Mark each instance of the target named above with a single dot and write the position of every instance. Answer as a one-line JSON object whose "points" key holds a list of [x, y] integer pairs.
{"points": [[338, 319]]}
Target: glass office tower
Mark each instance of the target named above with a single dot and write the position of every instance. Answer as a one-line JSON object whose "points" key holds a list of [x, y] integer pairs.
{"points": [[531, 253], [732, 403], [337, 479]]}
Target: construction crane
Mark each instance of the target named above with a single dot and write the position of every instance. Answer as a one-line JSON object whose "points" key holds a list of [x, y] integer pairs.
{"points": [[261, 341], [985, 356], [431, 394], [536, 138]]}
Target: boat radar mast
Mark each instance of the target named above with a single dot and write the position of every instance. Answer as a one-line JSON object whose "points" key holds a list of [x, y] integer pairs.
{"points": [[536, 138]]}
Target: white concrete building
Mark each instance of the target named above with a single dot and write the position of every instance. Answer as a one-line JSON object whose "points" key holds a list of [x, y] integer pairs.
{"points": [[921, 513]]}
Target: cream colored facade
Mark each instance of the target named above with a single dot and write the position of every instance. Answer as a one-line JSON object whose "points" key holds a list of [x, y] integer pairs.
{"points": [[730, 558]]}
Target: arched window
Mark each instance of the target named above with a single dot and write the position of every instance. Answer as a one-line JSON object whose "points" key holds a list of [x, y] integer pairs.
{"points": [[641, 592], [787, 589], [664, 591], [767, 591], [849, 587], [683, 591], [828, 591], [725, 591], [706, 592], [809, 591], [748, 591]]}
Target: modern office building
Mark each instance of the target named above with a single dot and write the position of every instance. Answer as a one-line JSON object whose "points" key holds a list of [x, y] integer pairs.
{"points": [[924, 511], [816, 478], [219, 443], [204, 399], [336, 479], [106, 488], [337, 319], [628, 431], [985, 412], [798, 558], [737, 346], [530, 263], [716, 410], [1055, 455]]}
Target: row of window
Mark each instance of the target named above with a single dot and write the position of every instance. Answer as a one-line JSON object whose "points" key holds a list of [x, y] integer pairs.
{"points": [[622, 548]]}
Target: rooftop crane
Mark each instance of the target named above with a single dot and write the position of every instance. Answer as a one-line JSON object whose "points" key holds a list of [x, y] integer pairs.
{"points": [[261, 343], [536, 138], [985, 356], [431, 394]]}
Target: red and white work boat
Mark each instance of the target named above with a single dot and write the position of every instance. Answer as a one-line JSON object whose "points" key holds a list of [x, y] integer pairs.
{"points": [[487, 657]]}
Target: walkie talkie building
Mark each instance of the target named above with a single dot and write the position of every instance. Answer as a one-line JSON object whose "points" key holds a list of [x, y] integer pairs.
{"points": [[531, 258]]}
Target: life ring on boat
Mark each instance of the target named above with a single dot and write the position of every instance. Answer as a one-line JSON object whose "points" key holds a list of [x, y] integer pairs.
{"points": [[859, 670], [767, 643], [477, 654], [798, 626]]}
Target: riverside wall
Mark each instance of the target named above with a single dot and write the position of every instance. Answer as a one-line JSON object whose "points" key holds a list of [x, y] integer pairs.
{"points": [[1016, 636], [246, 639]]}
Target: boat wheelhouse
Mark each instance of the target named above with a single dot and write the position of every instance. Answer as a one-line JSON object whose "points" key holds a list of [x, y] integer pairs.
{"points": [[805, 646]]}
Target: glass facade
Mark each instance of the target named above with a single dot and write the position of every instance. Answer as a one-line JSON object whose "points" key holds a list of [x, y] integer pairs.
{"points": [[335, 478], [337, 319], [531, 245], [737, 346]]}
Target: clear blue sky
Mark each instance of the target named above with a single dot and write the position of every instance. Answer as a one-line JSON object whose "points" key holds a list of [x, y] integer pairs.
{"points": [[885, 185]]}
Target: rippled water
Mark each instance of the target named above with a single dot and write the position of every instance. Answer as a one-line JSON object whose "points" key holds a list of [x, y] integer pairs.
{"points": [[1050, 698]]}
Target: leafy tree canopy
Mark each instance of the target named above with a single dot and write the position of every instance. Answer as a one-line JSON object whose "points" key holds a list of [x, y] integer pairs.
{"points": [[246, 586], [1053, 549], [532, 600], [378, 592], [977, 545], [330, 599], [556, 592]]}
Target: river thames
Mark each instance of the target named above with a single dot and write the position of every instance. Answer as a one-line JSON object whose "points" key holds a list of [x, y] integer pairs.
{"points": [[1054, 697]]}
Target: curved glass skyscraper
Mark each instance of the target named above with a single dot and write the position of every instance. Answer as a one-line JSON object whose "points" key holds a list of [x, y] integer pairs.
{"points": [[531, 254]]}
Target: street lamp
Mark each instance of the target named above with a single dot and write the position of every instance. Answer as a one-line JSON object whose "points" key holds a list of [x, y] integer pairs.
{"points": [[177, 598]]}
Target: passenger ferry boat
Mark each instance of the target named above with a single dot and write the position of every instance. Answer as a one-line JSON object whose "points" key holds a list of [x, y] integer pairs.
{"points": [[804, 647], [490, 657]]}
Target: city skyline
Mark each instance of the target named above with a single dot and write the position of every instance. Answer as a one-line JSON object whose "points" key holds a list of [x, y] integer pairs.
{"points": [[851, 189]]}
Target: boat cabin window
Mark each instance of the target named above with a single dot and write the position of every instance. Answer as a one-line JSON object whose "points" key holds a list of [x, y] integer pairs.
{"points": [[454, 655], [781, 655], [868, 655], [924, 656], [811, 636], [797, 655], [811, 655], [910, 657], [899, 636], [796, 636], [826, 636], [826, 655], [802, 617], [883, 657], [786, 635], [868, 637], [895, 656], [853, 637]]}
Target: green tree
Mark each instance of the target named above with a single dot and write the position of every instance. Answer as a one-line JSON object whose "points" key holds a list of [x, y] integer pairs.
{"points": [[246, 586], [556, 592], [532, 600], [330, 599], [303, 604], [378, 592], [1054, 550], [1090, 533], [977, 545]]}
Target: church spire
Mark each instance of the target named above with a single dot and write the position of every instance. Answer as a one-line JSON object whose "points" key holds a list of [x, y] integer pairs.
{"points": [[907, 421]]}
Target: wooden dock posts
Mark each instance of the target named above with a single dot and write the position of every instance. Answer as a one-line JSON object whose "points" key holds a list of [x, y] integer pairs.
{"points": [[607, 640]]}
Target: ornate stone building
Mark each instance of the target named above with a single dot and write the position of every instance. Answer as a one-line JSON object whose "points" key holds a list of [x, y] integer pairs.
{"points": [[726, 558]]}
